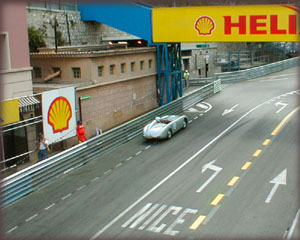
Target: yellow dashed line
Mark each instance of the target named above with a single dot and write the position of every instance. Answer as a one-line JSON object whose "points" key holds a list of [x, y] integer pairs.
{"points": [[218, 199], [277, 129], [198, 222], [233, 181], [266, 142], [246, 165], [257, 153]]}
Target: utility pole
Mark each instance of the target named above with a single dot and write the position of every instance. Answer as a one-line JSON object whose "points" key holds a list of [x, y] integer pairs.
{"points": [[55, 34]]}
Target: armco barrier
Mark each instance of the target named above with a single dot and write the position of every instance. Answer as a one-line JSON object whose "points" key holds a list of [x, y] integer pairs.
{"points": [[26, 181], [238, 76]]}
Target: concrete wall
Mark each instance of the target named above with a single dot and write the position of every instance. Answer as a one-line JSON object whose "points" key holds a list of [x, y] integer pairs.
{"points": [[116, 103], [17, 83], [13, 21]]}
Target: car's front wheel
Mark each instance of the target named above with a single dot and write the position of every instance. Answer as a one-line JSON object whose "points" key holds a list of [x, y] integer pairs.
{"points": [[184, 124], [169, 134]]}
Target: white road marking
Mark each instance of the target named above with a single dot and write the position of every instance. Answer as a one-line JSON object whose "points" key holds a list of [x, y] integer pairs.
{"points": [[148, 147], [12, 229], [280, 179], [192, 110], [195, 118], [190, 121], [294, 224], [50, 206], [31, 218], [209, 106], [83, 186], [67, 196], [119, 165], [69, 170], [202, 106], [226, 111], [128, 158], [205, 105], [282, 104], [95, 179], [138, 153], [212, 167], [175, 171], [108, 171]]}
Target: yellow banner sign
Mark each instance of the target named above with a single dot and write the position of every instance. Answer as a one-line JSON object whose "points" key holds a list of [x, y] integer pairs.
{"points": [[9, 112], [252, 23]]}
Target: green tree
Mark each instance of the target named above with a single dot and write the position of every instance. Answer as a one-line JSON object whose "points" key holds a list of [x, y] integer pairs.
{"points": [[36, 39]]}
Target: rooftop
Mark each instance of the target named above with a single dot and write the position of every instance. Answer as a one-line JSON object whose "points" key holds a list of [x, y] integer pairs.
{"points": [[91, 51]]}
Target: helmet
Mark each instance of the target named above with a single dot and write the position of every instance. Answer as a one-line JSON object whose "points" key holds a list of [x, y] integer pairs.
{"points": [[157, 119], [186, 71]]}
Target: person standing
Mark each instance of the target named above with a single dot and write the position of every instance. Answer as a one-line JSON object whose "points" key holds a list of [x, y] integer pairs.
{"points": [[186, 76], [80, 131], [43, 147]]}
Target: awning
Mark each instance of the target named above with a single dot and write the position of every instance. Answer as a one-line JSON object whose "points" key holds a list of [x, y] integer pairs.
{"points": [[27, 104], [52, 75]]}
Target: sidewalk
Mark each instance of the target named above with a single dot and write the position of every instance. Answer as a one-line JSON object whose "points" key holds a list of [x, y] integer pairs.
{"points": [[188, 90]]}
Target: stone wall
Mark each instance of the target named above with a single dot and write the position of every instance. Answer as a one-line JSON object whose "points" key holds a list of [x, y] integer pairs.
{"points": [[90, 33]]}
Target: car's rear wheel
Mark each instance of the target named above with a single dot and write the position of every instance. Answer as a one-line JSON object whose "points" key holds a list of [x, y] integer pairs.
{"points": [[169, 134], [184, 124]]}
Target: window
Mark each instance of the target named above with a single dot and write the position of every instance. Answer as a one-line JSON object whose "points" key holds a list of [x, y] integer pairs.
{"points": [[150, 63], [100, 71], [5, 55], [112, 69], [56, 69], [142, 64], [76, 72], [132, 66], [123, 67], [37, 72]]}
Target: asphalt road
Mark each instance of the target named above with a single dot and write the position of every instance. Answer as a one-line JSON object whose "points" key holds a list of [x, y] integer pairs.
{"points": [[232, 173]]}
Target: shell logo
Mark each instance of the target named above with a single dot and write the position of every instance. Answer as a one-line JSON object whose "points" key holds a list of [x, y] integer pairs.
{"points": [[59, 114], [204, 26]]}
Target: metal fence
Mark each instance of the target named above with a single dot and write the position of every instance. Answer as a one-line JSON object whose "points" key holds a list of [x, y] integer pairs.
{"points": [[26, 181], [230, 77]]}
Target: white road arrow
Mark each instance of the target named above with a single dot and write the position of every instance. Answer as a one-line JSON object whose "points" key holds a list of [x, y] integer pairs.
{"points": [[282, 104], [280, 179], [212, 167], [229, 110]]}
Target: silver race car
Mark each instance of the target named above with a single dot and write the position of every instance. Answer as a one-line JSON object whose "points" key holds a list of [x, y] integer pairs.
{"points": [[164, 127]]}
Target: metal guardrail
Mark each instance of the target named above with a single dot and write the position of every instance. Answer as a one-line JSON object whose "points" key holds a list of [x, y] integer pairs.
{"points": [[238, 76], [26, 181]]}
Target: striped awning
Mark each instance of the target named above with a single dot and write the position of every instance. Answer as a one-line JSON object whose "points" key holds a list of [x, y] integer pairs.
{"points": [[27, 104]]}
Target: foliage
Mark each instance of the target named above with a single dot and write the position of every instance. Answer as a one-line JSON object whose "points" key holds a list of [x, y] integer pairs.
{"points": [[36, 39], [60, 41]]}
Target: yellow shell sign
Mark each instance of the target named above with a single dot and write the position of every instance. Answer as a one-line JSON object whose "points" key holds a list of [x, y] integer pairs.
{"points": [[204, 25], [59, 114], [252, 23]]}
